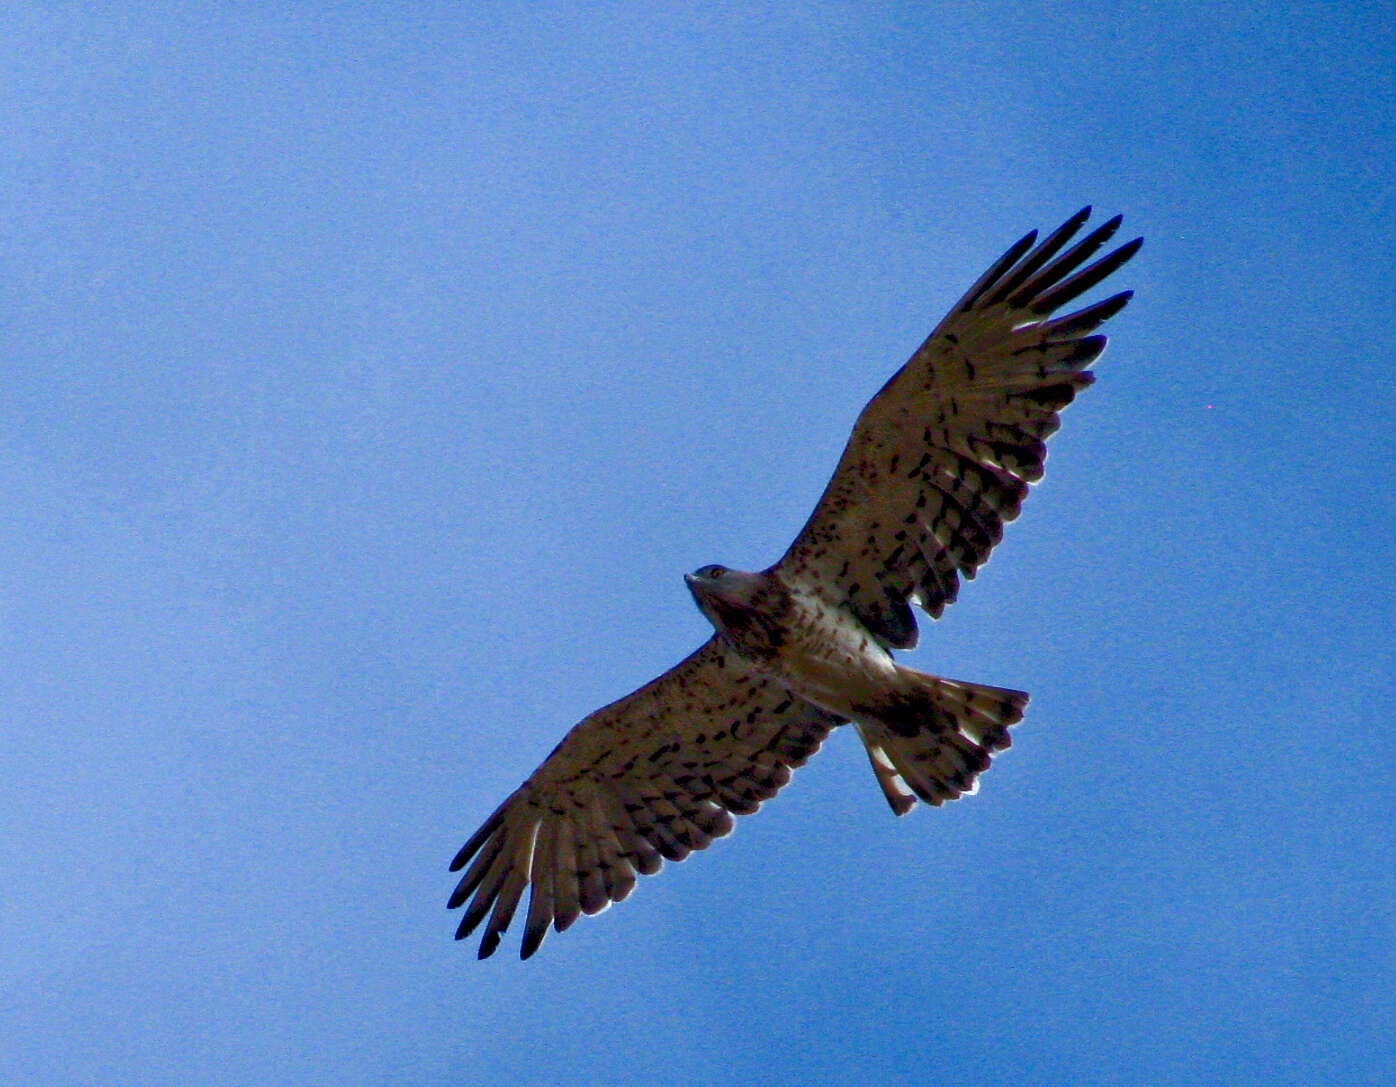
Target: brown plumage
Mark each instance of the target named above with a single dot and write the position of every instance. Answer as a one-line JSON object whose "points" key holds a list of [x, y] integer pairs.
{"points": [[940, 459]]}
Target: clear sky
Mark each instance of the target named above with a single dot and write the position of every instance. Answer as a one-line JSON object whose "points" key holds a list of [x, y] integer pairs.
{"points": [[368, 381]]}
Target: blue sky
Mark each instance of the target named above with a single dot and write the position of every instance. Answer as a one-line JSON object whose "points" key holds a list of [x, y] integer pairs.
{"points": [[371, 378]]}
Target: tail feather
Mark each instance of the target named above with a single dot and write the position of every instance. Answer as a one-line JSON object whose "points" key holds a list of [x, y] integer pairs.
{"points": [[937, 736]]}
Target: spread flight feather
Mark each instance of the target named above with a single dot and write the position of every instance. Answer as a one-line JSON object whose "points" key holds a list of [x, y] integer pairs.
{"points": [[939, 460]]}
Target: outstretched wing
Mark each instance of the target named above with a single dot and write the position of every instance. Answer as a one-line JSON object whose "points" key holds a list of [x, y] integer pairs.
{"points": [[654, 776], [942, 456]]}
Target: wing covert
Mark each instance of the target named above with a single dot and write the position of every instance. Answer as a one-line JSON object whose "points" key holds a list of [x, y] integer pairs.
{"points": [[652, 777], [942, 457]]}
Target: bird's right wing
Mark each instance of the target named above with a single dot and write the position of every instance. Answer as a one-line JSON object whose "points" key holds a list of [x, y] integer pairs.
{"points": [[654, 776]]}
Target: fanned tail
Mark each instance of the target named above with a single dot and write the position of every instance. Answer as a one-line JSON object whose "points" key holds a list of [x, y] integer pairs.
{"points": [[935, 736]]}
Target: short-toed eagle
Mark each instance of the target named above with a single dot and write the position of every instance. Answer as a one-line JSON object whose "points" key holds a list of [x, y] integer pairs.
{"points": [[938, 461]]}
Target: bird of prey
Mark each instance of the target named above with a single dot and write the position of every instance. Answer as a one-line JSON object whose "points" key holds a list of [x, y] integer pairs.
{"points": [[938, 461]]}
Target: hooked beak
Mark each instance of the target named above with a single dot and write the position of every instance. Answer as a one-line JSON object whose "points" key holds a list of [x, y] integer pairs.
{"points": [[705, 596], [701, 587], [709, 592]]}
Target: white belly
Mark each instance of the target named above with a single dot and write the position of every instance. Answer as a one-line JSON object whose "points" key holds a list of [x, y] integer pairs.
{"points": [[834, 662]]}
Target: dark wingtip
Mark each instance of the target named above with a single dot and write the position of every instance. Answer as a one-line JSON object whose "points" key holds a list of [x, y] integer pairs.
{"points": [[1015, 252], [1027, 269], [996, 270], [1117, 302], [1088, 319], [1112, 305], [468, 923], [1083, 280], [478, 839], [1086, 351]]}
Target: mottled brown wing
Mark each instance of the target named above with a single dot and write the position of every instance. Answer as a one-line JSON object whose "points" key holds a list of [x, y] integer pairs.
{"points": [[942, 456], [654, 776]]}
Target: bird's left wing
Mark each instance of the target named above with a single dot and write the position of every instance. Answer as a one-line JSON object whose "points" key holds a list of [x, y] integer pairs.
{"points": [[654, 776], [942, 456]]}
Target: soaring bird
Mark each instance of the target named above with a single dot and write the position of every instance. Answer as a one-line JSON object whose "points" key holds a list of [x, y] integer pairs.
{"points": [[938, 461]]}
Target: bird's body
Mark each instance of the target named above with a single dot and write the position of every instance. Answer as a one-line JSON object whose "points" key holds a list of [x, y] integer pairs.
{"points": [[938, 461], [797, 638]]}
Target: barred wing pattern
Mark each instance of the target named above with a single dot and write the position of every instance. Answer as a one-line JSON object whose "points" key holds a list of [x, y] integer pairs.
{"points": [[938, 462], [652, 777], [942, 456]]}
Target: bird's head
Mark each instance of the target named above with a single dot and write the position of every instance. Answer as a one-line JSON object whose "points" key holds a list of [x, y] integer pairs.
{"points": [[721, 592]]}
